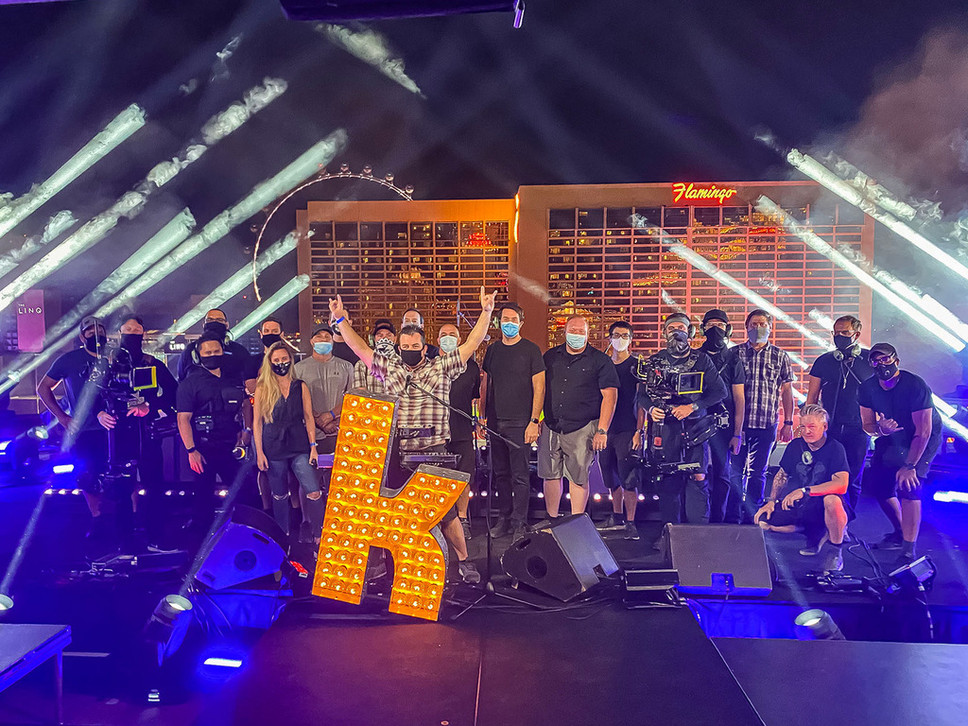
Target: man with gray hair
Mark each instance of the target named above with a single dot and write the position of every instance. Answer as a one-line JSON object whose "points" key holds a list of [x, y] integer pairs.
{"points": [[809, 489]]}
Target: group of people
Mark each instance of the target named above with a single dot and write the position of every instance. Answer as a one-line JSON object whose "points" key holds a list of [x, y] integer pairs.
{"points": [[576, 402]]}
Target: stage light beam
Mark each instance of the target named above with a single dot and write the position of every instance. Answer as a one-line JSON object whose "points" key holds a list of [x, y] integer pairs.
{"points": [[272, 303]]}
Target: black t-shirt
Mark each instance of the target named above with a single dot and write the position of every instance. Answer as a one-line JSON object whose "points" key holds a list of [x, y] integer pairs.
{"points": [[713, 388], [910, 394], [75, 368], [253, 364], [573, 387], [625, 419], [509, 369], [232, 365], [731, 371], [839, 383], [342, 350], [808, 468], [205, 394], [463, 390]]}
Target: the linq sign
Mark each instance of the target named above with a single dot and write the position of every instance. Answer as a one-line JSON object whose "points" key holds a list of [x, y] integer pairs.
{"points": [[362, 513]]}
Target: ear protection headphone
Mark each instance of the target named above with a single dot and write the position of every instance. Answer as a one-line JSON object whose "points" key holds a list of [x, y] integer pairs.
{"points": [[691, 331], [193, 350], [728, 329]]}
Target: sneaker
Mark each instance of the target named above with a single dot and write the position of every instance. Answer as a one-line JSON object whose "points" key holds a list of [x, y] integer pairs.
{"points": [[468, 572], [631, 532], [814, 549], [502, 528], [833, 559], [902, 560], [465, 524], [519, 531], [610, 522], [892, 541]]}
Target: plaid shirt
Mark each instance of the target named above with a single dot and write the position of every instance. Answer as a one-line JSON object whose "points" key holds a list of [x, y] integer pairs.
{"points": [[766, 372], [415, 409], [362, 378]]}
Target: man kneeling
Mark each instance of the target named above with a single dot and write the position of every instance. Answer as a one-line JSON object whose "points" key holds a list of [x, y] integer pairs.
{"points": [[810, 488]]}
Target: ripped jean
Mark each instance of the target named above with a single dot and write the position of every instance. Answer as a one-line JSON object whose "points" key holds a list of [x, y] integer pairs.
{"points": [[308, 483]]}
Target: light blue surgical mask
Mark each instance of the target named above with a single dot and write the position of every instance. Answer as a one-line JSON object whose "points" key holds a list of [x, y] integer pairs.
{"points": [[448, 343], [323, 348], [575, 341], [510, 329]]}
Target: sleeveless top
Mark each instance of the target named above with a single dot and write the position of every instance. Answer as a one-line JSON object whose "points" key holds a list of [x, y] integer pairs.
{"points": [[286, 436]]}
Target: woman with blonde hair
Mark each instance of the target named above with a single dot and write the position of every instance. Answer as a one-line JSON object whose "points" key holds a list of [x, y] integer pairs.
{"points": [[284, 431]]}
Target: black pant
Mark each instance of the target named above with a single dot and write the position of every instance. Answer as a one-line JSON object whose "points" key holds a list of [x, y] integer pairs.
{"points": [[468, 462], [855, 442], [511, 470], [717, 474], [747, 474], [683, 497], [219, 462]]}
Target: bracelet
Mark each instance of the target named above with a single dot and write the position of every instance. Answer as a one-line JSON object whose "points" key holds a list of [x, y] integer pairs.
{"points": [[337, 322], [312, 445], [788, 423], [191, 450], [331, 413]]}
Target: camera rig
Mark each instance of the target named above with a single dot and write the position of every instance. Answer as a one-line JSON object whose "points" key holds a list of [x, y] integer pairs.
{"points": [[663, 449]]}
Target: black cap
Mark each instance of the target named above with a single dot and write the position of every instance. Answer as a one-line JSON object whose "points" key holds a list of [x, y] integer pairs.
{"points": [[883, 349], [383, 324], [324, 328], [715, 314]]}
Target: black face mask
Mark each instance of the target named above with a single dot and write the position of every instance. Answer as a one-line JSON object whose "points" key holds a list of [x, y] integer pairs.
{"points": [[96, 343], [270, 339], [886, 373], [843, 343], [216, 328], [131, 342], [411, 358], [715, 337], [281, 369], [212, 362], [677, 341]]}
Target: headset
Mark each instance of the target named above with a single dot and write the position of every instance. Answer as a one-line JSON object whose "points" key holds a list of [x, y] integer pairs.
{"points": [[728, 329], [853, 351], [691, 331]]}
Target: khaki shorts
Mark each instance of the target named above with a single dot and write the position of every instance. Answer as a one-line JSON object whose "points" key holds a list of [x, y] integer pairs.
{"points": [[566, 455]]}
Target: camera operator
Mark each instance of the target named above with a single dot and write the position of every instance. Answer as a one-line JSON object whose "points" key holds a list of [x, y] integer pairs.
{"points": [[210, 424], [216, 324], [681, 491], [85, 437], [137, 442]]}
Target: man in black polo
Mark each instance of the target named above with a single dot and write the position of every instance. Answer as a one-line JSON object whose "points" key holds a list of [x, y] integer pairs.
{"points": [[898, 408], [580, 398], [835, 378], [726, 442], [513, 394]]}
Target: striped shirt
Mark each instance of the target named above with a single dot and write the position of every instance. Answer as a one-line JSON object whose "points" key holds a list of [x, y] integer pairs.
{"points": [[767, 370], [415, 409]]}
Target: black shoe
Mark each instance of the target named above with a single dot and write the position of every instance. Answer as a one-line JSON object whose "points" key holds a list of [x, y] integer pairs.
{"points": [[468, 572], [465, 524], [631, 532], [814, 548], [903, 560], [610, 523], [501, 528], [833, 558], [518, 532], [892, 541]]}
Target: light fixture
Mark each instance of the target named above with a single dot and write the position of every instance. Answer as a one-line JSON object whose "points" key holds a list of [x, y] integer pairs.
{"points": [[6, 603], [168, 625], [38, 433], [817, 624]]}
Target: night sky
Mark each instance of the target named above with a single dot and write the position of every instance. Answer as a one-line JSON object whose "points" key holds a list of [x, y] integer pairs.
{"points": [[585, 92]]}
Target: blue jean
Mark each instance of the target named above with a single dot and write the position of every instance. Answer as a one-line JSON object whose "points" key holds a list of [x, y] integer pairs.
{"points": [[747, 474], [308, 483]]}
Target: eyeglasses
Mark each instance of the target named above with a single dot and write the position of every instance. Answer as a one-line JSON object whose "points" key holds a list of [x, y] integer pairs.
{"points": [[622, 336], [882, 361]]}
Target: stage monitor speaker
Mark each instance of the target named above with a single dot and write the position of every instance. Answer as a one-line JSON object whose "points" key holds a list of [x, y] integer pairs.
{"points": [[719, 559], [562, 560], [337, 11], [247, 546]]}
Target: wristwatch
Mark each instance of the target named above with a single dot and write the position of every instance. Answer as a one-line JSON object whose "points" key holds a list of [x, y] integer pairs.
{"points": [[191, 450], [909, 466], [603, 432], [788, 423], [806, 491], [534, 420]]}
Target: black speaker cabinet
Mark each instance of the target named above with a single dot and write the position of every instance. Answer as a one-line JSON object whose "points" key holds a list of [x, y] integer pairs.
{"points": [[719, 559], [247, 546], [562, 560]]}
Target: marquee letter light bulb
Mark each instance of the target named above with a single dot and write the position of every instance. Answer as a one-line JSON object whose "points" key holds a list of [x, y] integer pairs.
{"points": [[362, 513]]}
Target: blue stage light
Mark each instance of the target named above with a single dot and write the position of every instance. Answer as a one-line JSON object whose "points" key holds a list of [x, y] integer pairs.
{"points": [[223, 662], [949, 497], [63, 468], [38, 433], [817, 625], [6, 603]]}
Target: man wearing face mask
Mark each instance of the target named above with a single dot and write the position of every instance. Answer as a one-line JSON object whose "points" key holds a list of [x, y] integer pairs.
{"points": [[423, 423], [619, 470], [209, 410], [328, 378], [726, 442], [580, 398], [270, 332], [216, 324], [835, 378], [413, 318], [85, 438], [682, 493], [769, 381], [897, 408], [385, 342], [465, 389], [512, 398]]}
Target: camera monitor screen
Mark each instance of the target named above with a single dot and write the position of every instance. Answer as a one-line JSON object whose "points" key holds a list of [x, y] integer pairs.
{"points": [[144, 378], [690, 382]]}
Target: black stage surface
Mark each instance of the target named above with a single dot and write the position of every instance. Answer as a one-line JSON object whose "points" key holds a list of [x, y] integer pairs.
{"points": [[324, 662]]}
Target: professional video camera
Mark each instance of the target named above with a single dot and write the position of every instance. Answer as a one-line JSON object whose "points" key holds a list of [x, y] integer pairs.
{"points": [[664, 446]]}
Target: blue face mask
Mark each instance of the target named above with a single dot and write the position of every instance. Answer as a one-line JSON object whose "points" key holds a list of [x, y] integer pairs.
{"points": [[323, 348], [448, 343], [510, 329], [575, 341]]}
